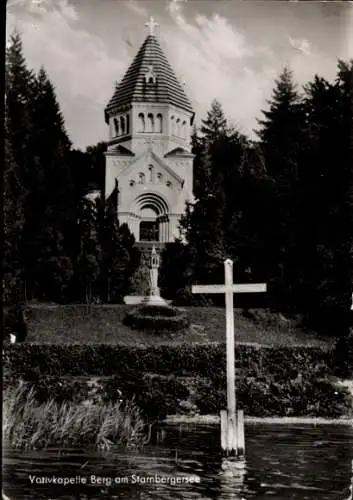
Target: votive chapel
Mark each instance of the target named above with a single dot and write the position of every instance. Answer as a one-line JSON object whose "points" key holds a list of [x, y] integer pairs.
{"points": [[149, 161]]}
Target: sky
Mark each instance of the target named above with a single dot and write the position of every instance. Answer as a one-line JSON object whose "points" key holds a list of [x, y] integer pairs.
{"points": [[230, 50]]}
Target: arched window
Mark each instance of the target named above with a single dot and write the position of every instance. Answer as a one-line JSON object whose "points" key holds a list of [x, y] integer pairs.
{"points": [[116, 126], [141, 178], [183, 129], [169, 184], [159, 124], [159, 177], [131, 182], [150, 123], [122, 125], [141, 123], [128, 124], [172, 121], [177, 132]]}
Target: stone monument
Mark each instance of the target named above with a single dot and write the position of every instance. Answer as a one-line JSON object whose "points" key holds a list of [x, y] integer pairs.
{"points": [[154, 297]]}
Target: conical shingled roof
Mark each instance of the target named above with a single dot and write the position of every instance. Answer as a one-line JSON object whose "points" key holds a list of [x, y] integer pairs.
{"points": [[133, 87]]}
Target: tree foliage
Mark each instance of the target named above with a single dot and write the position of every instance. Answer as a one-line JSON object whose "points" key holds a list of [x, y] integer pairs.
{"points": [[59, 246], [280, 207]]}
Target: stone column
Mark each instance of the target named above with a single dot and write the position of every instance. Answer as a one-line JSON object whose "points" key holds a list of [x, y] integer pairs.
{"points": [[173, 226], [161, 230], [164, 230]]}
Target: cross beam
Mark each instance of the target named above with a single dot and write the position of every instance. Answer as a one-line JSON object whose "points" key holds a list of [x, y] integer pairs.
{"points": [[229, 289], [245, 288]]}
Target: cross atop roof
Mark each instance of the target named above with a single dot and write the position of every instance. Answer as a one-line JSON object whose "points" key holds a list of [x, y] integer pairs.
{"points": [[151, 25]]}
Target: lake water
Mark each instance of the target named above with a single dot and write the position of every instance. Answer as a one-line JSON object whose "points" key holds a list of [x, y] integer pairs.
{"points": [[282, 462]]}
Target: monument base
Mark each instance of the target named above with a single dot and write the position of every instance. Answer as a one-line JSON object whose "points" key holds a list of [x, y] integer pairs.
{"points": [[134, 300], [155, 300]]}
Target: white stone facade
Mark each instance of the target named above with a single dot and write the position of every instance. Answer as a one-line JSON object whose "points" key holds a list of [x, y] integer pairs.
{"points": [[149, 158]]}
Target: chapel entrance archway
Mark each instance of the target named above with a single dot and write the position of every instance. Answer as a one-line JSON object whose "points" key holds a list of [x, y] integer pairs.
{"points": [[153, 212], [149, 227]]}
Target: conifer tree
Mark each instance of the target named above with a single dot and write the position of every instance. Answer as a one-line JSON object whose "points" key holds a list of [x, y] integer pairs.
{"points": [[96, 165], [19, 97], [13, 219], [280, 130], [115, 257], [52, 270], [51, 213], [89, 258], [328, 283], [128, 242], [281, 139], [215, 124], [218, 151]]}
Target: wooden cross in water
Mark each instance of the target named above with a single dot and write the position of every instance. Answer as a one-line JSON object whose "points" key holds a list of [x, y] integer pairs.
{"points": [[233, 439]]}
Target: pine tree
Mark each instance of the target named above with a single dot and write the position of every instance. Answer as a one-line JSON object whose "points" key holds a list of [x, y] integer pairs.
{"points": [[115, 257], [96, 171], [247, 217], [215, 124], [52, 270], [51, 206], [19, 95], [218, 153], [128, 242], [172, 279], [89, 259], [279, 132], [13, 219], [281, 135], [328, 283]]}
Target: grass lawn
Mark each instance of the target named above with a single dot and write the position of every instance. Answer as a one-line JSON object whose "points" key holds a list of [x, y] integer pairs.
{"points": [[55, 324]]}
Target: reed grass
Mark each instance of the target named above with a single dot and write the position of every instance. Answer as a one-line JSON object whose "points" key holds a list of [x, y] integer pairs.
{"points": [[28, 424]]}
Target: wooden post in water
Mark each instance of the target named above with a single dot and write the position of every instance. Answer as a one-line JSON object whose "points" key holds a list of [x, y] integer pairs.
{"points": [[231, 401], [232, 422]]}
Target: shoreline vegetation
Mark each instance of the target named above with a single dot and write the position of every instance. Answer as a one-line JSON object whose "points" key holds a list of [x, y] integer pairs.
{"points": [[113, 390], [28, 424], [100, 424], [31, 425]]}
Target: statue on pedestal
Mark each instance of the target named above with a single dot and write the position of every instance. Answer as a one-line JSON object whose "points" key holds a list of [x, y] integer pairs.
{"points": [[155, 261], [154, 297]]}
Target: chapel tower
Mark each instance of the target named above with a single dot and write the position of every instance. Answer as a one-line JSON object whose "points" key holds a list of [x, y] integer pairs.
{"points": [[149, 148]]}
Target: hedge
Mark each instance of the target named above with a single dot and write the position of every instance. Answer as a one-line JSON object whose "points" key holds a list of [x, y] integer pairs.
{"points": [[157, 396], [266, 397], [204, 360], [270, 381]]}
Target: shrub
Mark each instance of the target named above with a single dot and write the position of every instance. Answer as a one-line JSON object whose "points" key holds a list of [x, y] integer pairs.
{"points": [[30, 361], [344, 355], [267, 398], [157, 318], [60, 390], [155, 396]]}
